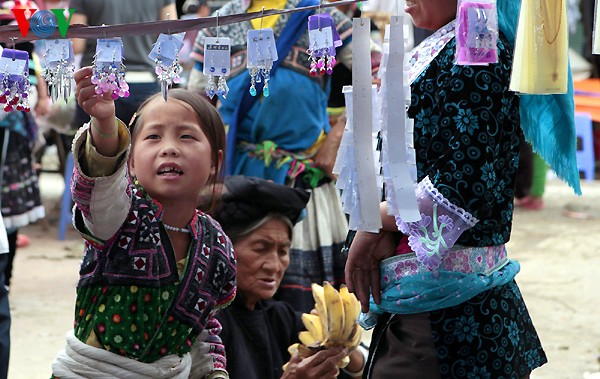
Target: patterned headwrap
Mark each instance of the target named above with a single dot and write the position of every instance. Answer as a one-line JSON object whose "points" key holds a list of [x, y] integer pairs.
{"points": [[248, 200], [547, 121]]}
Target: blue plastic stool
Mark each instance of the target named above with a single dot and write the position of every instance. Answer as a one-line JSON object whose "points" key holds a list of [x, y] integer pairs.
{"points": [[585, 145], [66, 205]]}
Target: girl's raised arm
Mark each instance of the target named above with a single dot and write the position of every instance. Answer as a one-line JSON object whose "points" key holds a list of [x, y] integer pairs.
{"points": [[104, 127]]}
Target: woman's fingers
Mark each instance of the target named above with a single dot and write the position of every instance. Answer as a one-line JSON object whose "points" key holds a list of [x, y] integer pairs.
{"points": [[362, 280], [325, 362]]}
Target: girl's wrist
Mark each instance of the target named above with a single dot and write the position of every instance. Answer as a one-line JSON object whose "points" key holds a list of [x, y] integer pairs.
{"points": [[101, 128]]}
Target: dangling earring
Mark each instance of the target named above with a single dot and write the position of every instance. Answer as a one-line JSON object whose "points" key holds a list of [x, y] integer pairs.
{"points": [[108, 71], [14, 81], [165, 56]]}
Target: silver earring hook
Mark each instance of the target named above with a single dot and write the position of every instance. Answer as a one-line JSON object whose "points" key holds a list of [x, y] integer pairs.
{"points": [[262, 16], [217, 27]]}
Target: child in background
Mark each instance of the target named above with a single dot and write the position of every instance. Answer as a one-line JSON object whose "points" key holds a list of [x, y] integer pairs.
{"points": [[155, 270]]}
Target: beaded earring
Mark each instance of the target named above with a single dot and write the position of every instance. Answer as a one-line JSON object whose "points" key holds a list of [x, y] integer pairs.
{"points": [[108, 71], [14, 80], [58, 68], [165, 56], [323, 40]]}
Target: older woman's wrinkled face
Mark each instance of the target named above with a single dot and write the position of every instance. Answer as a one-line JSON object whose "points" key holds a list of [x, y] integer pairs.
{"points": [[431, 14], [262, 258]]}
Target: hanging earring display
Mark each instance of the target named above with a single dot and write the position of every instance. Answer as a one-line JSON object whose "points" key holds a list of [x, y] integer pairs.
{"points": [[323, 40], [262, 52], [108, 71], [58, 68], [165, 57], [217, 63], [477, 33], [14, 80]]}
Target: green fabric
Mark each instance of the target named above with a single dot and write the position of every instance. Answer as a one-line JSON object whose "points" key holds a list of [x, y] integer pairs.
{"points": [[132, 321], [538, 179]]}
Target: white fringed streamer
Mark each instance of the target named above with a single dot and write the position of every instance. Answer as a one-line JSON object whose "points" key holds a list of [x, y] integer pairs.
{"points": [[399, 161], [596, 34], [357, 163], [362, 103]]}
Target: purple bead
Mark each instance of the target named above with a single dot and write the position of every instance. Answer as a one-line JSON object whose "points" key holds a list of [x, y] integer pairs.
{"points": [[176, 79], [94, 79], [112, 77], [126, 94], [114, 95], [98, 90], [320, 64], [158, 70], [333, 61]]}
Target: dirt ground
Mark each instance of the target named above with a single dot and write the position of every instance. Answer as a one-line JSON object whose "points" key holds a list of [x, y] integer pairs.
{"points": [[560, 279]]}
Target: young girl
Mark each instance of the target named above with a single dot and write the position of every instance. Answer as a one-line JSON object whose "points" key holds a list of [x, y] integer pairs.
{"points": [[155, 270]]}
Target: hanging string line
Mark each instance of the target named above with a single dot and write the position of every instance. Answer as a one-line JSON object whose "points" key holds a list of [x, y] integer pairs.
{"points": [[155, 27]]}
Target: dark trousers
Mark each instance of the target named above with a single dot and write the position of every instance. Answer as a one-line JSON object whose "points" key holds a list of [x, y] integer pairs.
{"points": [[402, 347], [10, 257], [4, 321]]}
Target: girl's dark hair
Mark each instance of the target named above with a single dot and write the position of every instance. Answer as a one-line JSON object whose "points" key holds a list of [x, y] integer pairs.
{"points": [[212, 126]]}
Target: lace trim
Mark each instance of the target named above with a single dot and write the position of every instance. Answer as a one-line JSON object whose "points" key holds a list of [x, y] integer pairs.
{"points": [[468, 218]]}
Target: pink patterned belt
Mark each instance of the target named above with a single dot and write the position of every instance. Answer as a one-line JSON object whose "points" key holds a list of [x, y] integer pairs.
{"points": [[468, 260]]}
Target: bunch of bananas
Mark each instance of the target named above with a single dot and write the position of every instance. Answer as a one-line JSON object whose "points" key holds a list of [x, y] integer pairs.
{"points": [[335, 323]]}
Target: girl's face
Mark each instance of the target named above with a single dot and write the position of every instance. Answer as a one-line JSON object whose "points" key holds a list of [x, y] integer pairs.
{"points": [[171, 155], [431, 14], [262, 258]]}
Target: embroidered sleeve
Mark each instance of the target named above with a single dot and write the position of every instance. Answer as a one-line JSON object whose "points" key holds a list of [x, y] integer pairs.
{"points": [[467, 140], [440, 226], [205, 364], [216, 347], [102, 200], [230, 284]]}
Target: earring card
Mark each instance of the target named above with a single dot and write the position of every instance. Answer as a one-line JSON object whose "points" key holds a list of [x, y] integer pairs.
{"points": [[14, 62], [109, 50], [262, 51], [323, 35], [57, 50], [167, 47], [217, 56]]}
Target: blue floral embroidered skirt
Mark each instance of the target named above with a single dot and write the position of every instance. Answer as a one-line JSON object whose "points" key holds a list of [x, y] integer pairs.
{"points": [[490, 336]]}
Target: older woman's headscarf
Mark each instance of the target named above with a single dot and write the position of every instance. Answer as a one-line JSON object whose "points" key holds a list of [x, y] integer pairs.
{"points": [[247, 201]]}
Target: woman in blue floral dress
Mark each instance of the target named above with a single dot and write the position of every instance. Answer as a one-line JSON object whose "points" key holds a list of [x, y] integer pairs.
{"points": [[444, 300]]}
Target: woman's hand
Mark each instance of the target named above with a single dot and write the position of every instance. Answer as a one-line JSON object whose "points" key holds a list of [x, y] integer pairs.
{"points": [[101, 107], [362, 268], [321, 365]]}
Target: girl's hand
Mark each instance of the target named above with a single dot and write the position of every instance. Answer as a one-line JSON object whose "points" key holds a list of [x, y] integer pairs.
{"points": [[101, 107], [363, 264]]}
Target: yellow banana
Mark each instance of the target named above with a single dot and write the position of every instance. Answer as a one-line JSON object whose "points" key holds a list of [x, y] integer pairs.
{"points": [[344, 362], [306, 338], [355, 338], [293, 348], [335, 313], [312, 323], [351, 312], [321, 307]]}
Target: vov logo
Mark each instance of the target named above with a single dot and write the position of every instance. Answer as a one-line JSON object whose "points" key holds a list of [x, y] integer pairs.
{"points": [[43, 23]]}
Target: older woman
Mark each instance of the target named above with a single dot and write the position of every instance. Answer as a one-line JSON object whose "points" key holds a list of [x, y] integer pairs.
{"points": [[259, 216]]}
